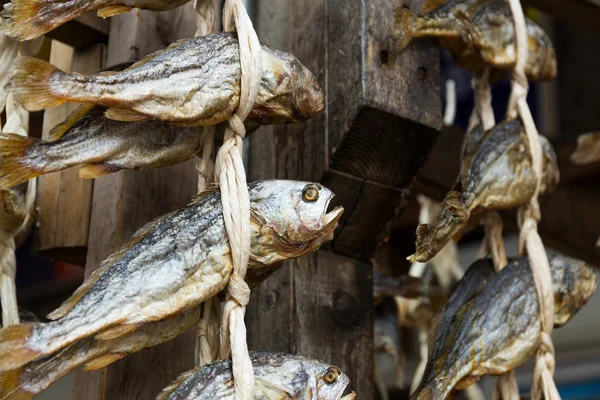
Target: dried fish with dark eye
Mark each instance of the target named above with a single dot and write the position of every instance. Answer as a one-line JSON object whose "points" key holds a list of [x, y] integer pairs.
{"points": [[497, 326], [496, 174], [175, 263], [277, 376], [31, 379], [30, 19], [100, 146], [479, 34], [193, 82]]}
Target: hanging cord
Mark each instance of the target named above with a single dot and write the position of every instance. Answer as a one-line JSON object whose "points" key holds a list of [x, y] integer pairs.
{"points": [[208, 324], [450, 109], [230, 173], [529, 215], [17, 122]]}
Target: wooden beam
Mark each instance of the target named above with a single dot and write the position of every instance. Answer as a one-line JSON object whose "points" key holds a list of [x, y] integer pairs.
{"points": [[82, 32], [64, 200], [123, 202], [568, 215]]}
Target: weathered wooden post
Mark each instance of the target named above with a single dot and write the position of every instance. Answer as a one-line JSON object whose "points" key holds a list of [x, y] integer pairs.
{"points": [[123, 202], [381, 118]]}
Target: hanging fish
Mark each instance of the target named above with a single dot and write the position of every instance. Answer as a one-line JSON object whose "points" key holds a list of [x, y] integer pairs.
{"points": [[192, 82], [405, 286], [498, 329], [588, 149], [174, 263], [277, 376], [496, 174], [30, 19], [31, 379], [478, 34]]}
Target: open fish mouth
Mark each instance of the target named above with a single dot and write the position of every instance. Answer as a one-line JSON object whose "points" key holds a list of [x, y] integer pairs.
{"points": [[330, 219]]}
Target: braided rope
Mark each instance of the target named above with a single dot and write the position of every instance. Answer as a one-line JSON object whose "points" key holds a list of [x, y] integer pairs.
{"points": [[208, 324], [529, 215], [230, 173], [17, 121]]}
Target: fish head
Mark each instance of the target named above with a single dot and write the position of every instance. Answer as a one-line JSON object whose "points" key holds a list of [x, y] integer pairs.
{"points": [[550, 170], [289, 91], [290, 219], [331, 383], [574, 284]]}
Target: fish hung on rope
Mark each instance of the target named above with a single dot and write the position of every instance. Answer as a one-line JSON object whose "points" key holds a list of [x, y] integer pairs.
{"points": [[479, 34], [29, 19], [491, 324], [175, 263], [277, 376], [102, 146], [193, 82], [35, 377], [496, 174]]}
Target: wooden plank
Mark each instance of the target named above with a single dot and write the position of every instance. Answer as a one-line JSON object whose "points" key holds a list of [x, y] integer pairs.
{"points": [[123, 202], [64, 200], [82, 32], [567, 214]]}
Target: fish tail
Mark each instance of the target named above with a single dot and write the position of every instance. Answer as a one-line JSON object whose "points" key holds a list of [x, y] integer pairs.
{"points": [[14, 349], [14, 168], [424, 243], [404, 29], [32, 83], [11, 387], [30, 19]]}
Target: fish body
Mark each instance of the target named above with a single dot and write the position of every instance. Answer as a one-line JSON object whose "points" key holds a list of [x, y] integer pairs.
{"points": [[35, 377], [174, 263], [480, 34], [498, 328], [588, 149], [404, 286], [100, 146], [277, 377], [193, 82], [496, 174], [30, 19]]}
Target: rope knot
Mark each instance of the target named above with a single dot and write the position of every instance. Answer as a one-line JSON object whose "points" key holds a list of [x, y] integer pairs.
{"points": [[239, 290]]}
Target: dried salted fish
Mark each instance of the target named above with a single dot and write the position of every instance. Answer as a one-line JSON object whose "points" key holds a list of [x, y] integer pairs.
{"points": [[175, 263], [496, 173], [496, 327], [190, 83], [277, 377], [479, 34]]}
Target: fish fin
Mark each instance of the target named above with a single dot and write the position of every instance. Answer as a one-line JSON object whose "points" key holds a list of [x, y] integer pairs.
{"points": [[10, 386], [31, 85], [14, 352], [166, 392], [211, 188], [125, 115], [151, 56], [93, 171], [424, 239], [59, 130], [103, 361], [430, 5], [111, 11], [117, 331], [404, 23], [270, 390], [24, 20], [13, 168]]}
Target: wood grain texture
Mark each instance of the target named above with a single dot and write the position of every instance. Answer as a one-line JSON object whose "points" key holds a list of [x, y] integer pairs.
{"points": [[123, 202], [64, 200]]}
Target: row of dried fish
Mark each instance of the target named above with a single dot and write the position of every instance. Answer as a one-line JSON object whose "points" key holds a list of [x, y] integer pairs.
{"points": [[479, 34], [490, 323], [161, 275]]}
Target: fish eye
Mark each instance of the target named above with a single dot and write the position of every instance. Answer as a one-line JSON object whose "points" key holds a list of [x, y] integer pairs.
{"points": [[331, 375], [310, 193]]}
